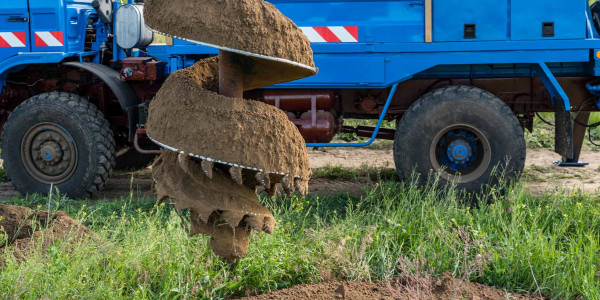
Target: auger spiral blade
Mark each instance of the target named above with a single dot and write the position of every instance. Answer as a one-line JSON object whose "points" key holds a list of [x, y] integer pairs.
{"points": [[224, 147]]}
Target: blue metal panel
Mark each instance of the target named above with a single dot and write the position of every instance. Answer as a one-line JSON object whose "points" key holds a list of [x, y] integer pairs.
{"points": [[401, 65], [14, 22], [47, 16], [77, 14], [365, 70], [569, 17], [490, 18], [379, 21]]}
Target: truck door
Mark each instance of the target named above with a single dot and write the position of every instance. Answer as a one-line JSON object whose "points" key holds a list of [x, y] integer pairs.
{"points": [[14, 28], [47, 25]]}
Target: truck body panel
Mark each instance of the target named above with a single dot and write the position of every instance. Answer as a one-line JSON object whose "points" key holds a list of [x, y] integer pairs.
{"points": [[375, 59]]}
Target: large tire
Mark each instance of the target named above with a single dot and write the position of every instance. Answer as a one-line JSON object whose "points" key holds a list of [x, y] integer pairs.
{"points": [[60, 139], [463, 132]]}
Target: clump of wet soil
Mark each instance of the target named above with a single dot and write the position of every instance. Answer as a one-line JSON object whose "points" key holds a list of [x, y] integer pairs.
{"points": [[254, 26], [219, 207], [444, 287], [189, 115], [24, 228]]}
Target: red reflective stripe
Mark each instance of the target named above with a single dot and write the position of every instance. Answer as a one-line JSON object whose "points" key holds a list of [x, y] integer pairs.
{"points": [[353, 30], [327, 35], [3, 43], [21, 36], [58, 35], [39, 42]]}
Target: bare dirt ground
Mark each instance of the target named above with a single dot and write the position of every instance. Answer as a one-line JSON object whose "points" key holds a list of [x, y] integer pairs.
{"points": [[26, 227], [444, 287], [540, 175]]}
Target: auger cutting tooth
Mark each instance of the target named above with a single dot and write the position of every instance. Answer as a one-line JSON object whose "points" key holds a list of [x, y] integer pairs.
{"points": [[263, 179], [184, 162], [232, 218], [207, 167], [288, 187], [236, 175], [254, 222], [301, 186], [268, 225], [272, 190]]}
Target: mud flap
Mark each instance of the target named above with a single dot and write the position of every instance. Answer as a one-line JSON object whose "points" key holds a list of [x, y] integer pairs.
{"points": [[563, 140]]}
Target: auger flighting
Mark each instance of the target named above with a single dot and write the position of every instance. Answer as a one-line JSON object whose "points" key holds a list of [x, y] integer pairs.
{"points": [[222, 147]]}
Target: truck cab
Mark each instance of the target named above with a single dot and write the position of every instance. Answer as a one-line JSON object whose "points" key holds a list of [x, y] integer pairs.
{"points": [[41, 26]]}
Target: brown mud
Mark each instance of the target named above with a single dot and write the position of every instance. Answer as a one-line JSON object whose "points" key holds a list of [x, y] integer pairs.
{"points": [[25, 228], [188, 114], [238, 146], [254, 26], [444, 287], [219, 207]]}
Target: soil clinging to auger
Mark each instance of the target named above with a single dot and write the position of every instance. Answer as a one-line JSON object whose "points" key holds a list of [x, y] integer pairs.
{"points": [[272, 48], [187, 114], [254, 26], [218, 206], [223, 148]]}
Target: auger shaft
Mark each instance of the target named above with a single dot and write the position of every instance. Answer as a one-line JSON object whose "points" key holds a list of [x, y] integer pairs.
{"points": [[231, 75]]}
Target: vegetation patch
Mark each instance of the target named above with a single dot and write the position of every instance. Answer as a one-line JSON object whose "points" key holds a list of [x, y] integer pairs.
{"points": [[541, 246]]}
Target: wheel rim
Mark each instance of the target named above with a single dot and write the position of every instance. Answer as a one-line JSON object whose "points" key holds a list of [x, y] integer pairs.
{"points": [[49, 153], [461, 153]]}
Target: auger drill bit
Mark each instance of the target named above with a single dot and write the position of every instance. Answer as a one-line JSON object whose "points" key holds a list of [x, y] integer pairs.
{"points": [[223, 147]]}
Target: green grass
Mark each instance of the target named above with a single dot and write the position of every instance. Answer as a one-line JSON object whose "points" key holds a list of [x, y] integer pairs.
{"points": [[543, 134], [547, 245]]}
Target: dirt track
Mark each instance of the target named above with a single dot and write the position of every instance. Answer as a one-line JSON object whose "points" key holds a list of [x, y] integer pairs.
{"points": [[540, 174]]}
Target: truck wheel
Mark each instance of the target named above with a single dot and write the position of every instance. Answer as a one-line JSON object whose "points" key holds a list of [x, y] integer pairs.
{"points": [[60, 139], [463, 132]]}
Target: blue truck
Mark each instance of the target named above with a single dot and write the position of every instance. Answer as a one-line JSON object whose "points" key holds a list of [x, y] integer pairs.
{"points": [[462, 79]]}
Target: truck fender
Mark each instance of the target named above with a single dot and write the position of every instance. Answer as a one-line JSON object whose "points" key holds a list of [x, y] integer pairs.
{"points": [[123, 91]]}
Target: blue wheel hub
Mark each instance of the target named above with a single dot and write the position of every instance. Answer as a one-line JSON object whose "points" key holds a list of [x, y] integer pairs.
{"points": [[458, 149]]}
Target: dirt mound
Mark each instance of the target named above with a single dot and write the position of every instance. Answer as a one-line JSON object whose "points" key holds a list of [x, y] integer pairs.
{"points": [[24, 227], [254, 26], [445, 287]]}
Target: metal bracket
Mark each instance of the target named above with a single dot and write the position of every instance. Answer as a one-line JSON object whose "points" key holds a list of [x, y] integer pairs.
{"points": [[552, 85], [571, 164], [563, 139], [375, 132]]}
